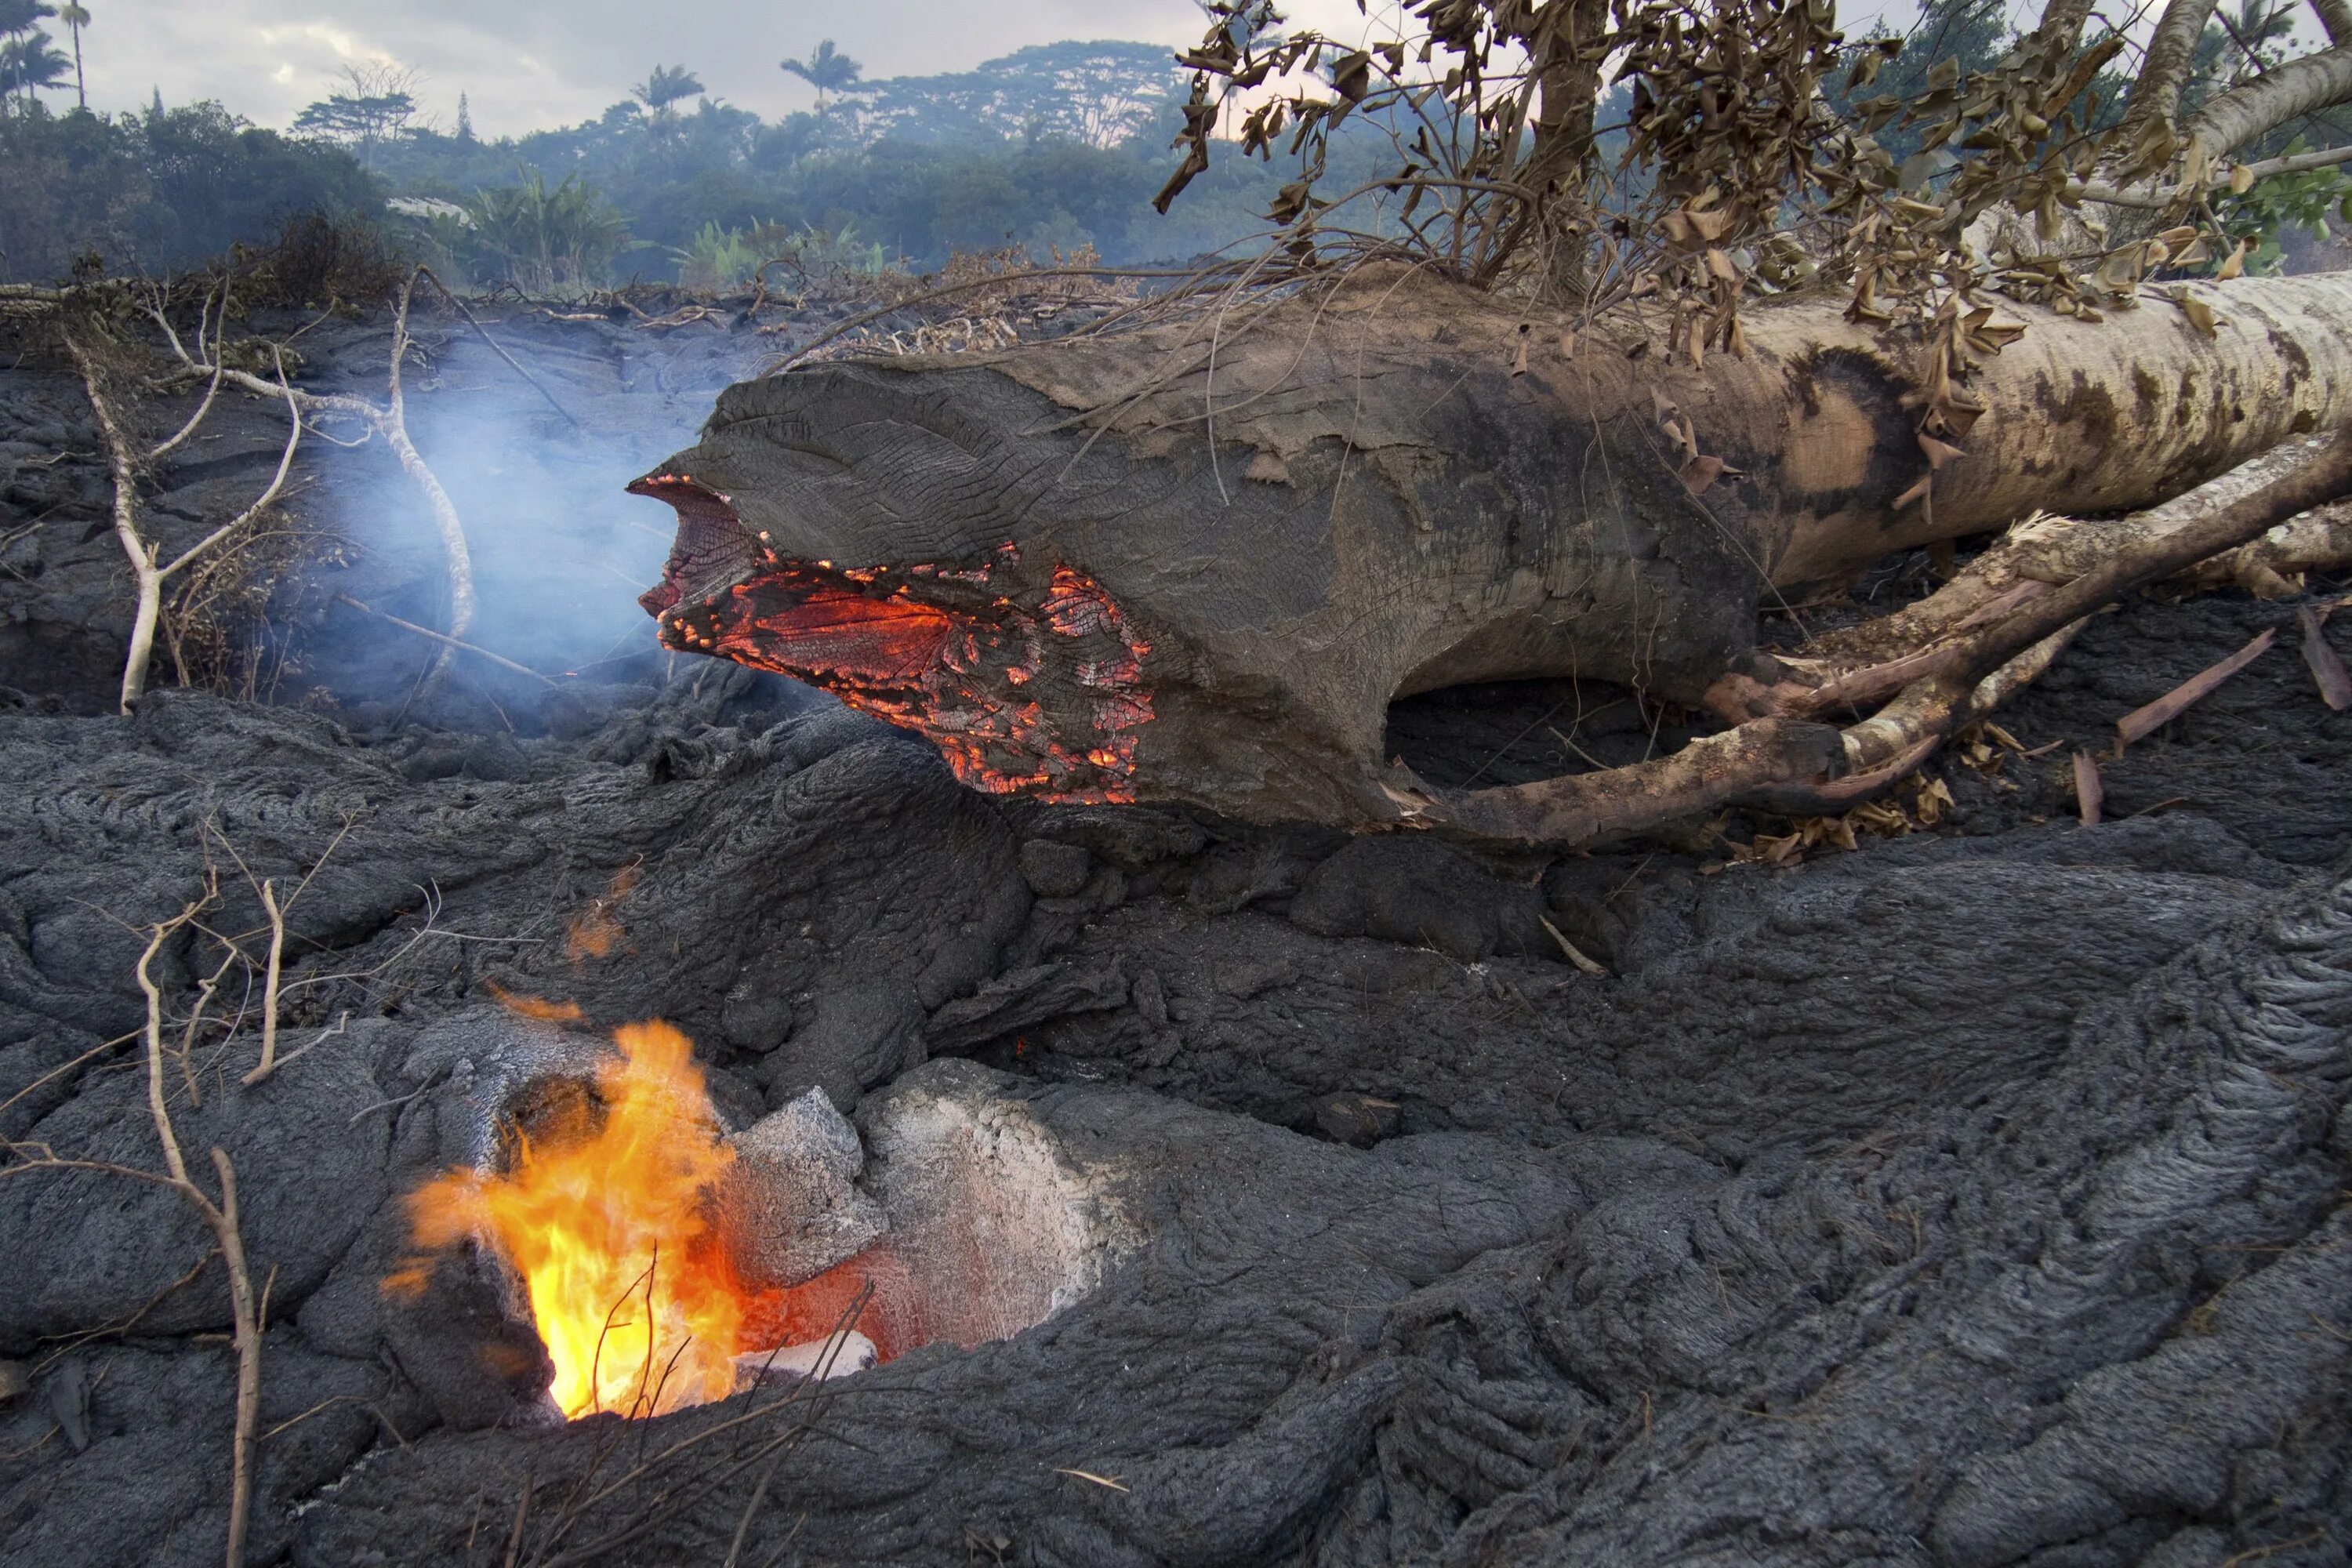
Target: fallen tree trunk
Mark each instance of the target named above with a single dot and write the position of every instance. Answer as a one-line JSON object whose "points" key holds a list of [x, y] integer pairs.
{"points": [[1196, 563]]}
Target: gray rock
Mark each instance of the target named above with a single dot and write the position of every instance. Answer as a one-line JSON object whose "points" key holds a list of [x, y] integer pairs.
{"points": [[789, 1207]]}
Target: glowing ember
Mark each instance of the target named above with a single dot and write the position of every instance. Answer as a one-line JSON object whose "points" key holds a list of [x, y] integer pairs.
{"points": [[1037, 692], [603, 1215]]}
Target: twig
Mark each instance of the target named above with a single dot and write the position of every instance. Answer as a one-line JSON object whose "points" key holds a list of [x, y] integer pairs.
{"points": [[1112, 1482], [269, 1061], [444, 291], [514, 1533], [1575, 955], [443, 637], [212, 388]]}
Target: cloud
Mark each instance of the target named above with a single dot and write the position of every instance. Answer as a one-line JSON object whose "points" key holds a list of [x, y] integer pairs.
{"points": [[529, 64]]}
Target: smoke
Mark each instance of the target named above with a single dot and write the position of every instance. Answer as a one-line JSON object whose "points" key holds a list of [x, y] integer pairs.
{"points": [[560, 552]]}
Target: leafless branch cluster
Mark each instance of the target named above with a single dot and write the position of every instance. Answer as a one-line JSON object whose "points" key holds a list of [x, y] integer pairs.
{"points": [[211, 364]]}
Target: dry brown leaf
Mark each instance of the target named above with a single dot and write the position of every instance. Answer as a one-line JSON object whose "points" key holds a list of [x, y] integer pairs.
{"points": [[2231, 265], [1702, 471], [2200, 315]]}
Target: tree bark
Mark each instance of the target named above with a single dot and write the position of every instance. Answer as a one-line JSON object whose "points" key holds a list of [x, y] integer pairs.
{"points": [[1041, 561], [2164, 70], [2298, 88]]}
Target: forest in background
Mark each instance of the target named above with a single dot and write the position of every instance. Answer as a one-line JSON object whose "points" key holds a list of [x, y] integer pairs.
{"points": [[1054, 148]]}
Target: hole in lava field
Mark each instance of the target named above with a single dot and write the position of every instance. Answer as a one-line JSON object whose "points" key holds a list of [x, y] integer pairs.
{"points": [[663, 1262]]}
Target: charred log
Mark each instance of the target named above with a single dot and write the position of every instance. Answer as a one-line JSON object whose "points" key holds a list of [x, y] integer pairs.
{"points": [[1197, 563]]}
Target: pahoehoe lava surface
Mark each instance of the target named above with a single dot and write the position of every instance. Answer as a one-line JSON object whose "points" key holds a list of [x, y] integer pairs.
{"points": [[1976, 1198]]}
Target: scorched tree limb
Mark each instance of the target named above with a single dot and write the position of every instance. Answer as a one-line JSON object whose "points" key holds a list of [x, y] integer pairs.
{"points": [[1196, 564]]}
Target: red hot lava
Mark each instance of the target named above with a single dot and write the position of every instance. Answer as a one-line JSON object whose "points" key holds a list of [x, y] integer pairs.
{"points": [[1041, 698]]}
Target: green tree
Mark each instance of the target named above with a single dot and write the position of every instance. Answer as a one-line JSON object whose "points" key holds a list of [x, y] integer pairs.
{"points": [[374, 106], [827, 70], [545, 240]]}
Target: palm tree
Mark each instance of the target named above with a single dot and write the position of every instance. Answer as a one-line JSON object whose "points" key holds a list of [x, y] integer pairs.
{"points": [[28, 63], [75, 17], [663, 88], [18, 20], [827, 70]]}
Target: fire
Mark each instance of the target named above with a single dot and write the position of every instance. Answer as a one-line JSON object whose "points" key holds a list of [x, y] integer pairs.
{"points": [[603, 1216]]}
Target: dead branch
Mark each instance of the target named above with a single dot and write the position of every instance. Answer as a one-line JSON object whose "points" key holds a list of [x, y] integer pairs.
{"points": [[147, 572], [2090, 795], [212, 387], [391, 423], [2144, 721], [394, 427], [221, 1218]]}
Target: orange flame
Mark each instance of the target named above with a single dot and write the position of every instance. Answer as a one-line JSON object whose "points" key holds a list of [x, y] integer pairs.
{"points": [[605, 1221]]}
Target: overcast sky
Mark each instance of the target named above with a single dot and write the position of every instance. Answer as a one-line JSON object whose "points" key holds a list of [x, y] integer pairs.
{"points": [[529, 64]]}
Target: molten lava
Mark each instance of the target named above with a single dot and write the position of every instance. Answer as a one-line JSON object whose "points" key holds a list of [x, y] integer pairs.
{"points": [[1034, 690], [603, 1215]]}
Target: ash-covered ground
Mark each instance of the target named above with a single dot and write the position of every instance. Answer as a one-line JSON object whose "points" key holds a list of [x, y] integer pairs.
{"points": [[1976, 1196]]}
